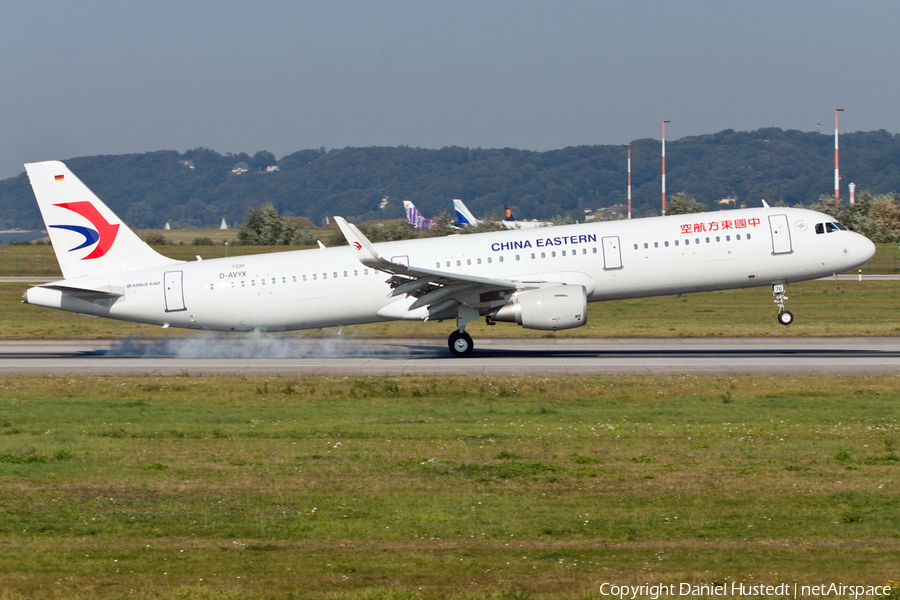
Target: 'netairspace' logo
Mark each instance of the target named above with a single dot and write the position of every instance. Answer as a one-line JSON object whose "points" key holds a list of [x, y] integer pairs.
{"points": [[736, 589], [103, 235]]}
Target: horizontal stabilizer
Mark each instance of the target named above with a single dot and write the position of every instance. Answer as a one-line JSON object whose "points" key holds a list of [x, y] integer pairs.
{"points": [[105, 291]]}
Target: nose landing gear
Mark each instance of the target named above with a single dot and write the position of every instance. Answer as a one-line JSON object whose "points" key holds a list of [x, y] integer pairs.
{"points": [[785, 317]]}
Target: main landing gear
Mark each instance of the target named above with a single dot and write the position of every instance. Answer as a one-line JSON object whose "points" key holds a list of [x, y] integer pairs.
{"points": [[785, 317], [460, 342]]}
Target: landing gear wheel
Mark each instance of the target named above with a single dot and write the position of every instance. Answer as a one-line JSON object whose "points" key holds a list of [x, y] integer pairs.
{"points": [[785, 317], [461, 344]]}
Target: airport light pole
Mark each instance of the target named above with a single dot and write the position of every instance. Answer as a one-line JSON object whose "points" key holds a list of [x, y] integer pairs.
{"points": [[664, 166], [629, 180], [837, 176]]}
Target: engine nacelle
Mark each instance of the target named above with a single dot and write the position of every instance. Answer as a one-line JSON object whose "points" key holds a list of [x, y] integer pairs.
{"points": [[550, 308]]}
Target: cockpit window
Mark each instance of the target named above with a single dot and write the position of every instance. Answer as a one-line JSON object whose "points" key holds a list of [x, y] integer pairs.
{"points": [[829, 227]]}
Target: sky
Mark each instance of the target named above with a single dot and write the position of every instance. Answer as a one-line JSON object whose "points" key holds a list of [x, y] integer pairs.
{"points": [[114, 77]]}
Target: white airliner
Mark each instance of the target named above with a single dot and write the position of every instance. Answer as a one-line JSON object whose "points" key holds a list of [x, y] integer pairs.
{"points": [[538, 278], [465, 218]]}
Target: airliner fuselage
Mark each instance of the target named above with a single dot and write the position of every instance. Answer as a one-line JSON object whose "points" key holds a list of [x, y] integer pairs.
{"points": [[611, 260]]}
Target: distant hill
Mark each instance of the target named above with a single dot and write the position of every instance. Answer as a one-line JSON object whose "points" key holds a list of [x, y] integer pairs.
{"points": [[201, 187]]}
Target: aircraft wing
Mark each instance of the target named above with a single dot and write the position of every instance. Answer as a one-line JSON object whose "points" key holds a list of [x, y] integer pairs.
{"points": [[439, 290]]}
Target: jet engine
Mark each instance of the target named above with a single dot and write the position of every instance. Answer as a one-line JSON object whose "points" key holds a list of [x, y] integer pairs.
{"points": [[549, 308]]}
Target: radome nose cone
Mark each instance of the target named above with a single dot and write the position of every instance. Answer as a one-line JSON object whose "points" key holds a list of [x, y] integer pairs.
{"points": [[868, 249]]}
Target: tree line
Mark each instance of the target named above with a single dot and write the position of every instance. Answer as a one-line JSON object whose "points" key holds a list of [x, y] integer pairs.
{"points": [[198, 188]]}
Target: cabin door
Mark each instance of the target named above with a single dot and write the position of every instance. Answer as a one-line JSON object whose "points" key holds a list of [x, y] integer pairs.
{"points": [[612, 253], [781, 234], [174, 291]]}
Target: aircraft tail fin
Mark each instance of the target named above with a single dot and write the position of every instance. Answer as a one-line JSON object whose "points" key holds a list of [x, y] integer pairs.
{"points": [[463, 216], [414, 218], [87, 237], [508, 216]]}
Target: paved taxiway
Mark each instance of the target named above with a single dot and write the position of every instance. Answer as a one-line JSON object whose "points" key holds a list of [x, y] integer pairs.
{"points": [[207, 355]]}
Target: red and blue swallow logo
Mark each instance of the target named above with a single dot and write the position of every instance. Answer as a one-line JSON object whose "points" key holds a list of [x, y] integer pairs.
{"points": [[103, 235], [357, 245]]}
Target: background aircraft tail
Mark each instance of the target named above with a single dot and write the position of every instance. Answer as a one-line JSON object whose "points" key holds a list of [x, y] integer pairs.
{"points": [[463, 216], [87, 237], [507, 211], [415, 218]]}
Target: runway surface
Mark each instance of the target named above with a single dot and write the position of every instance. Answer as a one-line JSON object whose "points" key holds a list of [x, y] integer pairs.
{"points": [[207, 355]]}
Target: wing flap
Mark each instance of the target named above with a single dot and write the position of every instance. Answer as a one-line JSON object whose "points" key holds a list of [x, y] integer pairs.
{"points": [[435, 289]]}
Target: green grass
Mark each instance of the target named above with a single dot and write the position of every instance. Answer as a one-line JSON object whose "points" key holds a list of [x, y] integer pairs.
{"points": [[821, 308], [542, 487]]}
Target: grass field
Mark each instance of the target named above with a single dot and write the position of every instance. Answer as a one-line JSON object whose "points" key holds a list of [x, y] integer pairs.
{"points": [[436, 487], [471, 488], [821, 308]]}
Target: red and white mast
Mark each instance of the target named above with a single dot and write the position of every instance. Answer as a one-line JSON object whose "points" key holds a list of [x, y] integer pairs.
{"points": [[837, 175], [629, 180], [664, 166]]}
